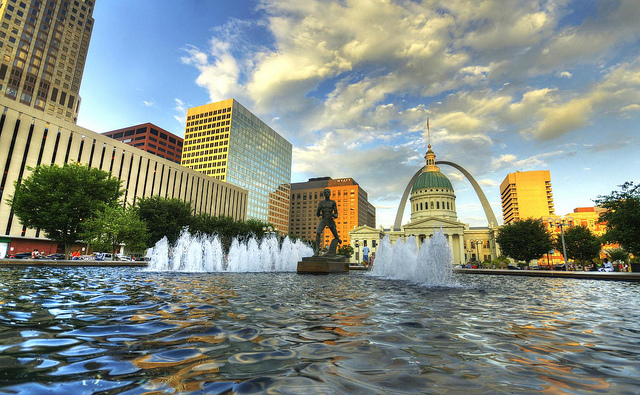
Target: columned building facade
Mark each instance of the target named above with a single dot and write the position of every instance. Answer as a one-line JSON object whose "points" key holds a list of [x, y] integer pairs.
{"points": [[29, 138]]}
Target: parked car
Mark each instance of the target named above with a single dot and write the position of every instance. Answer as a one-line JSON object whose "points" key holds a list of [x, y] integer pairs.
{"points": [[513, 267], [20, 255], [122, 257], [56, 257]]}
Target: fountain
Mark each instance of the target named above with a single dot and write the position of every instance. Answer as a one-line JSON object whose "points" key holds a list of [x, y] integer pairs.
{"points": [[203, 253], [431, 265]]}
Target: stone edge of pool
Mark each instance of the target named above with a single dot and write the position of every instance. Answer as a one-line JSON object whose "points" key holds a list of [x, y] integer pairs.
{"points": [[614, 276]]}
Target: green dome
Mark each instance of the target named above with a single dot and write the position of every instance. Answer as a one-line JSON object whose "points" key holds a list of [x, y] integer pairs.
{"points": [[431, 179]]}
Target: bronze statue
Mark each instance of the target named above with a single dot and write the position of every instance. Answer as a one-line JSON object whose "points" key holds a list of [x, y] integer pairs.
{"points": [[327, 211]]}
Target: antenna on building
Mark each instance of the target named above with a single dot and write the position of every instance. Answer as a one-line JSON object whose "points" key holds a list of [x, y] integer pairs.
{"points": [[428, 132]]}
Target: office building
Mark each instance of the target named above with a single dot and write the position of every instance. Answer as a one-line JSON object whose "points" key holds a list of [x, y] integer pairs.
{"points": [[151, 138], [354, 209], [29, 138], [526, 195], [44, 47], [226, 141]]}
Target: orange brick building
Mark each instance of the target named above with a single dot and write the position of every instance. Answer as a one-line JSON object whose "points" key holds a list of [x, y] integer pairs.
{"points": [[354, 208]]}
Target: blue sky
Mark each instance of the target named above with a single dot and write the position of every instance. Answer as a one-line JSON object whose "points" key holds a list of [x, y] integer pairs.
{"points": [[507, 86]]}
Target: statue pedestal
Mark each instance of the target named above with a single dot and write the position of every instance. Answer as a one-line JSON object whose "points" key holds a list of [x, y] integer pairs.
{"points": [[323, 265]]}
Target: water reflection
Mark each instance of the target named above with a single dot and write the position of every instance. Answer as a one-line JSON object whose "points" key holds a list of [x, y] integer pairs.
{"points": [[84, 330]]}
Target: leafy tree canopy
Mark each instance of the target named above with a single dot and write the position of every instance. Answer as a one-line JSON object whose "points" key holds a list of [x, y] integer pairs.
{"points": [[58, 199], [345, 250], [226, 228], [114, 226], [582, 245], [622, 217], [524, 240], [163, 217]]}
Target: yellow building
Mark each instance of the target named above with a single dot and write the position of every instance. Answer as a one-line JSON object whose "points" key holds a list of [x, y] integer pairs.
{"points": [[44, 48], [226, 141], [354, 208], [526, 195], [581, 216]]}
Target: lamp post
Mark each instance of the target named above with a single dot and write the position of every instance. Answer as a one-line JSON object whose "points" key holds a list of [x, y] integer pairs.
{"points": [[477, 243], [561, 224], [269, 231]]}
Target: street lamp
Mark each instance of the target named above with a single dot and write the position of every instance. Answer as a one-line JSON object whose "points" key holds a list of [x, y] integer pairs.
{"points": [[477, 243], [561, 224], [269, 231]]}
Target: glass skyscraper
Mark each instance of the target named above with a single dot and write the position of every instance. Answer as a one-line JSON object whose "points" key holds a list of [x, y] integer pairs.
{"points": [[226, 141], [44, 44]]}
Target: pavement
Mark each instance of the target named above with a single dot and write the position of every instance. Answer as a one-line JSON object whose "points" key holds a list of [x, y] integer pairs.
{"points": [[612, 276], [48, 262]]}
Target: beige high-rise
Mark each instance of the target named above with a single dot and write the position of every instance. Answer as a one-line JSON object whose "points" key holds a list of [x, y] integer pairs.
{"points": [[43, 45], [526, 195]]}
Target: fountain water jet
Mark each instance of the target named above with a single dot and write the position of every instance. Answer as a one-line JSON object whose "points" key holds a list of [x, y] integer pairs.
{"points": [[432, 264], [203, 253]]}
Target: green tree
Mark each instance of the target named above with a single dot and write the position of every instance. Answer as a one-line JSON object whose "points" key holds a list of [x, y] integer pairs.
{"points": [[227, 228], [582, 245], [622, 217], [58, 199], [114, 226], [524, 240], [163, 217], [618, 254], [345, 250]]}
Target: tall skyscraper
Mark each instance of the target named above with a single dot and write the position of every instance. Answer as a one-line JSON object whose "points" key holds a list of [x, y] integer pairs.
{"points": [[151, 138], [226, 141], [526, 195], [353, 204], [44, 46]]}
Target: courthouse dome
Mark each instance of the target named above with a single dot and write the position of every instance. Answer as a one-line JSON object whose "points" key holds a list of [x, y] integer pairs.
{"points": [[431, 180]]}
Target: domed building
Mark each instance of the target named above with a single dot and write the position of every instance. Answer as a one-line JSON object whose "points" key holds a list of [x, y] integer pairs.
{"points": [[433, 207]]}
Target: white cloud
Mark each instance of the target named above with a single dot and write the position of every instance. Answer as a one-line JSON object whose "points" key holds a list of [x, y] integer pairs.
{"points": [[149, 103], [564, 74]]}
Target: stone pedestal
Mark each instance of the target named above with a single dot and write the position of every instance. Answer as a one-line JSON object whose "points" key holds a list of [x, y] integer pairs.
{"points": [[323, 265]]}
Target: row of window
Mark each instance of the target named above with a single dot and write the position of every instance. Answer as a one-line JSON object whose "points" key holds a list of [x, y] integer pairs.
{"points": [[209, 114]]}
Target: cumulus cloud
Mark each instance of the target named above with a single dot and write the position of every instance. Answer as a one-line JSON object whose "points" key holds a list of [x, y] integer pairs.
{"points": [[351, 83]]}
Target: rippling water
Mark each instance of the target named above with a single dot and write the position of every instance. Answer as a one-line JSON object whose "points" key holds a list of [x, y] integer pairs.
{"points": [[94, 330]]}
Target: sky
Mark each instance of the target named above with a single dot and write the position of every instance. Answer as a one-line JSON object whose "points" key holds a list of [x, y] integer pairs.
{"points": [[506, 85]]}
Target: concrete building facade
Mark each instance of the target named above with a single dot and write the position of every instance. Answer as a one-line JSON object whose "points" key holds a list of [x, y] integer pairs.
{"points": [[28, 138], [151, 138], [354, 208], [525, 195], [44, 46], [226, 141]]}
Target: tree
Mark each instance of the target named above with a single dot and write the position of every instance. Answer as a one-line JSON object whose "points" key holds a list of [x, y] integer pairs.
{"points": [[114, 226], [163, 217], [622, 217], [227, 228], [524, 240], [345, 250], [618, 254], [582, 245], [58, 199]]}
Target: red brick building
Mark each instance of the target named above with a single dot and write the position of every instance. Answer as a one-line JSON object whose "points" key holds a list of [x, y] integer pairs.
{"points": [[151, 138]]}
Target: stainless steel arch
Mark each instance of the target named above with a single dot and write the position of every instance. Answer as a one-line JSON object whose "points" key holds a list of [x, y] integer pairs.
{"points": [[488, 211]]}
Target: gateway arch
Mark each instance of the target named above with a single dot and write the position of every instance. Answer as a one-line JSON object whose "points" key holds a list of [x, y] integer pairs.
{"points": [[488, 211]]}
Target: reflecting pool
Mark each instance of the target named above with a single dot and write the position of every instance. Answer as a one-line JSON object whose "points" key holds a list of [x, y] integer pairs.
{"points": [[98, 330]]}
